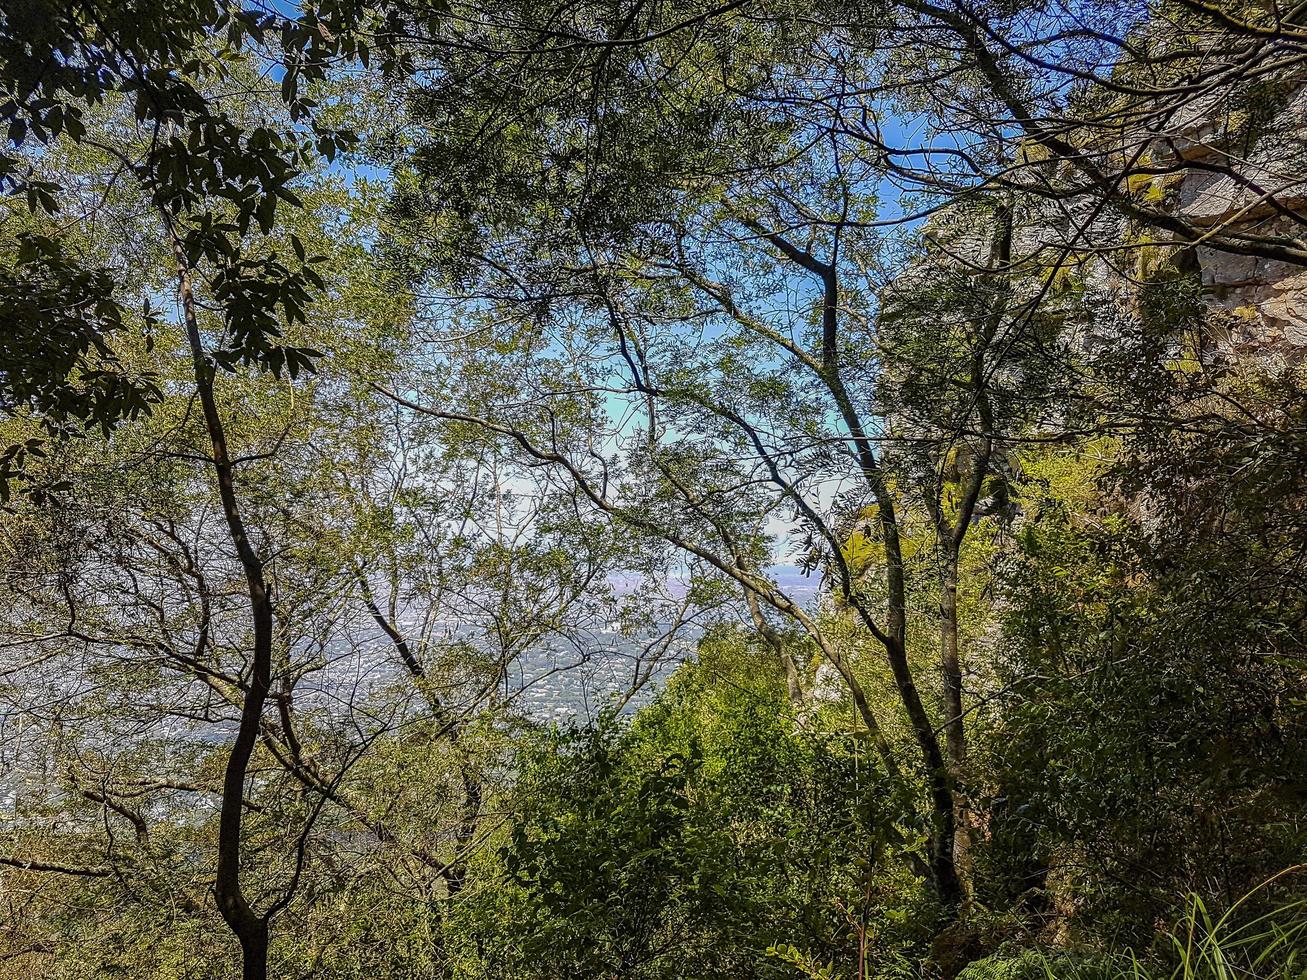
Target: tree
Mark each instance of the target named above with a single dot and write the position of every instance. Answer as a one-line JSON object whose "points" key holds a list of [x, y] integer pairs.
{"points": [[149, 91]]}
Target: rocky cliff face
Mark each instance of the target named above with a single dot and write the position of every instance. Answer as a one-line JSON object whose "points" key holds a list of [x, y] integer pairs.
{"points": [[1244, 167], [1235, 161]]}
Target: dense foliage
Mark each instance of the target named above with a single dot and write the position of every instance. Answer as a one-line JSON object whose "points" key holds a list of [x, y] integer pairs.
{"points": [[628, 489]]}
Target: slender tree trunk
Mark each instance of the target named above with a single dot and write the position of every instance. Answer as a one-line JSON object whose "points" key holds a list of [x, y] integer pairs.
{"points": [[955, 745], [893, 638], [951, 666], [250, 928], [943, 864], [951, 536], [469, 820], [793, 684]]}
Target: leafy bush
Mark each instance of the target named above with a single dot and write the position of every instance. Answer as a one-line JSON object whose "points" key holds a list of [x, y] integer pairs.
{"points": [[693, 842]]}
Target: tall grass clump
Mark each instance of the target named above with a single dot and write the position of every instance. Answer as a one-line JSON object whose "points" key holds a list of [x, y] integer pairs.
{"points": [[1240, 943], [1271, 945]]}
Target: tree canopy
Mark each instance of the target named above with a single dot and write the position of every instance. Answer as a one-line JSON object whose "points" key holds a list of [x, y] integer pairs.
{"points": [[629, 489]]}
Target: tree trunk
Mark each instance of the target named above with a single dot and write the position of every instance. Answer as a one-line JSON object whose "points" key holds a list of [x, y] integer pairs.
{"points": [[250, 928], [955, 745], [950, 666], [893, 638], [943, 865], [254, 951]]}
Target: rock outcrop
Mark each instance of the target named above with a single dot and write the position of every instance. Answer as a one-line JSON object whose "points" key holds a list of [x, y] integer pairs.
{"points": [[1244, 167]]}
